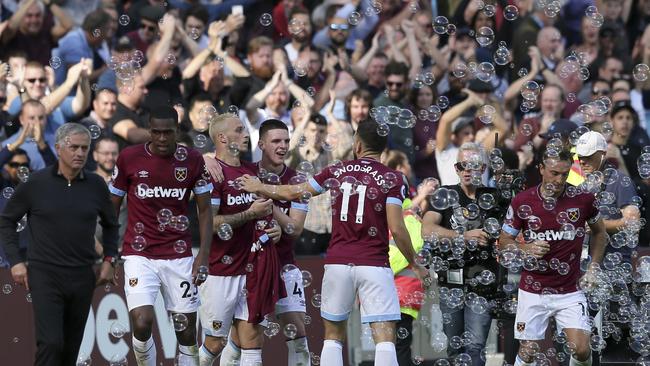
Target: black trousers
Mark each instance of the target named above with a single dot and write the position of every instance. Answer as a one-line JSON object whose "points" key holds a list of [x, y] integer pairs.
{"points": [[403, 346], [61, 298], [311, 243]]}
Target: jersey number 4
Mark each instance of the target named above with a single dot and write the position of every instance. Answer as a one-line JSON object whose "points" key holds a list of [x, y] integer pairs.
{"points": [[346, 188], [297, 290]]}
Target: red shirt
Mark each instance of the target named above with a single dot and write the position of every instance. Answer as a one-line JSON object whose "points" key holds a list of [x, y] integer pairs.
{"points": [[542, 224], [285, 245], [228, 257], [152, 183], [359, 222]]}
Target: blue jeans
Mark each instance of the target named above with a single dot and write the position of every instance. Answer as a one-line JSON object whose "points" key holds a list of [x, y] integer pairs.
{"points": [[463, 319]]}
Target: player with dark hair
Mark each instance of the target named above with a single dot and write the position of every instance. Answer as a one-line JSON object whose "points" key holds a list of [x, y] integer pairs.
{"points": [[158, 178], [368, 204], [552, 221]]}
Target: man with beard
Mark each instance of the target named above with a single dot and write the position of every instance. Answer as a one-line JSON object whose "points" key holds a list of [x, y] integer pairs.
{"points": [[300, 30], [105, 154], [397, 85], [260, 59]]}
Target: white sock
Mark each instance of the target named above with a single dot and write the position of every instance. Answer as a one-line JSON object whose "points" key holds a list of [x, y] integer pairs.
{"points": [[145, 352], [251, 357], [298, 352], [332, 353], [385, 354], [574, 362], [230, 355], [188, 355], [520, 362], [206, 358]]}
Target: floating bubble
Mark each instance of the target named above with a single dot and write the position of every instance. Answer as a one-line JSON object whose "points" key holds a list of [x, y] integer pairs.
{"points": [[641, 72], [354, 18], [139, 243], [225, 231], [510, 12], [180, 322], [124, 20], [55, 62], [95, 132], [440, 24], [117, 329], [485, 36], [266, 19], [180, 246], [7, 192]]}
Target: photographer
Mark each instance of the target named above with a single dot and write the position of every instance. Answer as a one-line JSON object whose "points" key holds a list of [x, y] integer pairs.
{"points": [[460, 231]]}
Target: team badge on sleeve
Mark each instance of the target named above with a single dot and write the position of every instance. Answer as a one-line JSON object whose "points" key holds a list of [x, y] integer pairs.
{"points": [[574, 214], [180, 173], [115, 173], [521, 326], [133, 282]]}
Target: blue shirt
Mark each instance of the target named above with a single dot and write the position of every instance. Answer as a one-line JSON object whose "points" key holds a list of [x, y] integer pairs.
{"points": [[59, 116], [72, 48]]}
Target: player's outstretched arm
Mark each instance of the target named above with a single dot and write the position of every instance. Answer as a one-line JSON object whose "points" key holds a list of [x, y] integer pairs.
{"points": [[280, 193], [597, 241], [403, 240], [259, 208], [205, 231]]}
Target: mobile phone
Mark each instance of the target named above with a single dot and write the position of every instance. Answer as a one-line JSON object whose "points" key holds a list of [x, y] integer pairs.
{"points": [[238, 10]]}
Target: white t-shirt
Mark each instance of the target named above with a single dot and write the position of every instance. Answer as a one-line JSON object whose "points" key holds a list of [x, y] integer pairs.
{"points": [[445, 161], [254, 128]]}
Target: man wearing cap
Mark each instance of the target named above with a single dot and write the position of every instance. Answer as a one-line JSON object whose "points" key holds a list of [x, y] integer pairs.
{"points": [[591, 149]]}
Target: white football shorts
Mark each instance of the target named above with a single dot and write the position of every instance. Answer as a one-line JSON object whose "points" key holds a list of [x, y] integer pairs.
{"points": [[374, 286], [144, 277]]}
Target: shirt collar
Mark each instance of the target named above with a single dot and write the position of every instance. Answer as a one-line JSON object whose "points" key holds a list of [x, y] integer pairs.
{"points": [[57, 173]]}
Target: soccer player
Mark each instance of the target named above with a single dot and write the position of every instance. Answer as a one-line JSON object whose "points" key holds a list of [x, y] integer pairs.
{"points": [[227, 298], [368, 203], [158, 177], [551, 221]]}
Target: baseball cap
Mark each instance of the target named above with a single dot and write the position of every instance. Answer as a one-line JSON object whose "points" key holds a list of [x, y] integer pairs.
{"points": [[562, 126], [591, 142], [460, 123]]}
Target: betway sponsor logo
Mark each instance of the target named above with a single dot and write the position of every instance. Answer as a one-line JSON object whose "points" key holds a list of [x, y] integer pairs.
{"points": [[553, 235], [160, 192], [241, 199]]}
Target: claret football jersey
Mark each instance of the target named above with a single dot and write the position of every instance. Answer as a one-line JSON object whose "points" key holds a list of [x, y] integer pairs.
{"points": [[361, 189], [562, 227], [158, 190], [228, 255]]}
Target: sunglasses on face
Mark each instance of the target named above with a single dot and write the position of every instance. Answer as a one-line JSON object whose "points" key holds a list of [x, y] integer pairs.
{"points": [[150, 28], [40, 80], [459, 166], [392, 83], [15, 164], [601, 91], [342, 27]]}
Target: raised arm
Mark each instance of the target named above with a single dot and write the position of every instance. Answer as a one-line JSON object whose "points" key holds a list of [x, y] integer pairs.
{"points": [[56, 97], [161, 49], [258, 100], [443, 135], [81, 100], [63, 21], [414, 50]]}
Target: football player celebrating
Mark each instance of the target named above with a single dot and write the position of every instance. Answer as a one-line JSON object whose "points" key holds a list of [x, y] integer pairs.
{"points": [[368, 203], [227, 299], [158, 177], [552, 222]]}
